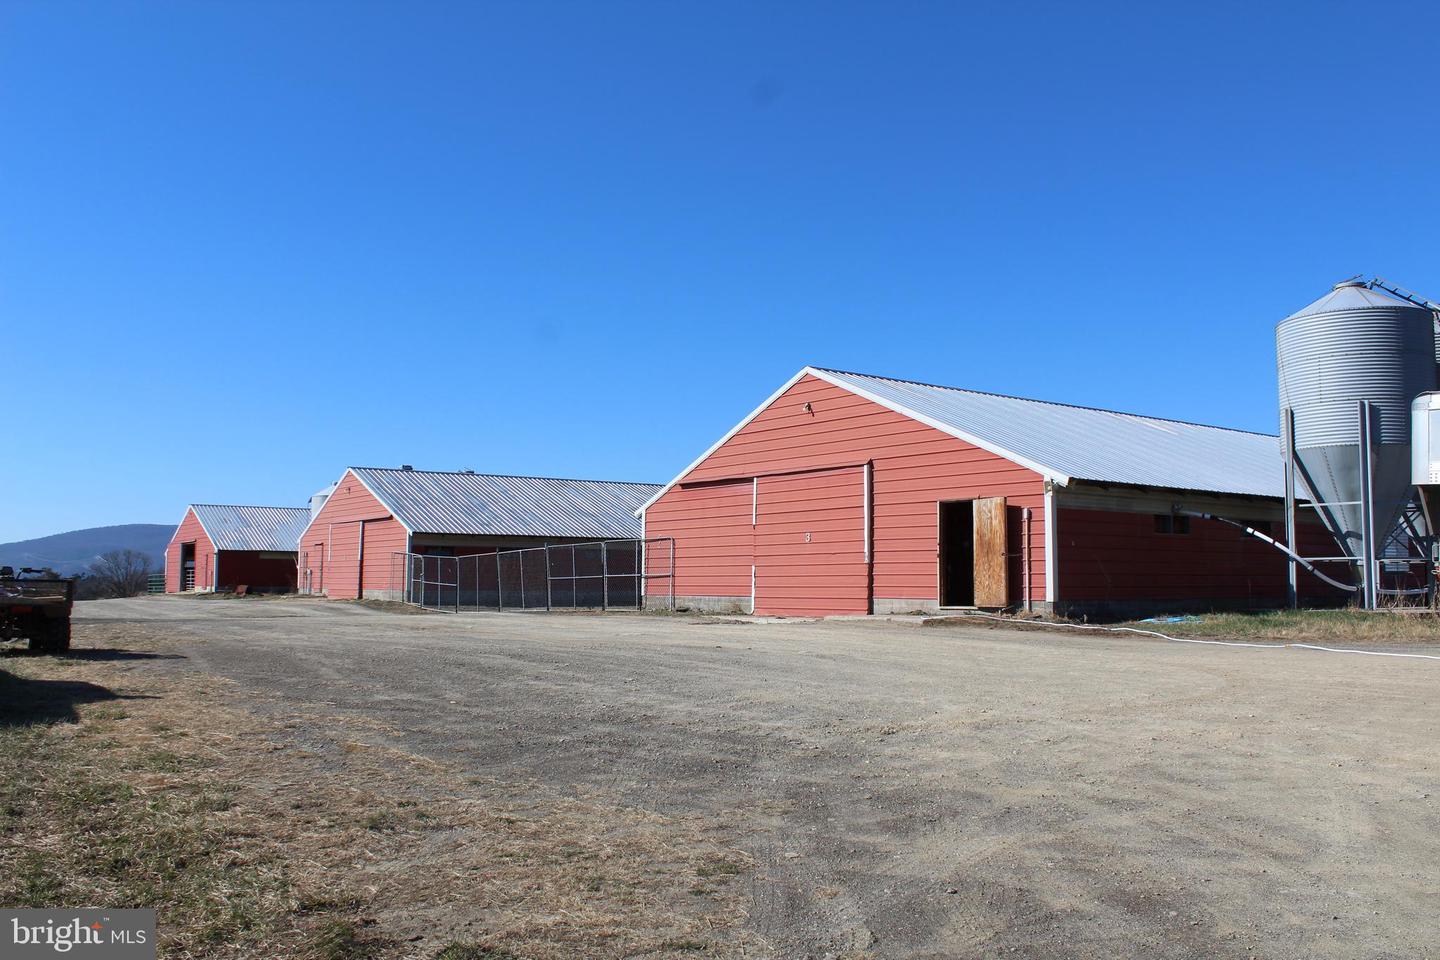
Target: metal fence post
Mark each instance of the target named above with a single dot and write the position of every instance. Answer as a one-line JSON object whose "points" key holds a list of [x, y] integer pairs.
{"points": [[672, 573], [604, 575], [499, 597], [1367, 506], [523, 602], [547, 576]]}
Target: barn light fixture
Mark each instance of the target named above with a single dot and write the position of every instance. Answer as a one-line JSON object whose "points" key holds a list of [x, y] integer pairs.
{"points": [[807, 408]]}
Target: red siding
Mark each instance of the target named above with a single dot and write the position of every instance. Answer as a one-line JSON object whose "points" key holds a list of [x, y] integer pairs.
{"points": [[332, 546], [256, 571], [714, 541], [810, 543], [915, 466], [1107, 556], [189, 530]]}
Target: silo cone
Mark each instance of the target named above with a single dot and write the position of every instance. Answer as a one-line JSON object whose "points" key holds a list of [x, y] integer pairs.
{"points": [[1355, 344]]}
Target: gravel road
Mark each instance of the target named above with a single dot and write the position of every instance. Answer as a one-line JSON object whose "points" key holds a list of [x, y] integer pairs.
{"points": [[907, 792]]}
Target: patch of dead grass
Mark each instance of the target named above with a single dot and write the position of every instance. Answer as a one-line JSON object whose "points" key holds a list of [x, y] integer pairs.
{"points": [[251, 841], [1329, 627]]}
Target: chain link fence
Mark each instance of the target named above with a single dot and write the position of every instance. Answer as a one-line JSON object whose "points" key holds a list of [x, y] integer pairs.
{"points": [[603, 574]]}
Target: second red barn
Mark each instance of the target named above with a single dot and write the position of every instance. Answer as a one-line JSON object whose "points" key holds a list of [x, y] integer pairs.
{"points": [[218, 547], [367, 527], [851, 494]]}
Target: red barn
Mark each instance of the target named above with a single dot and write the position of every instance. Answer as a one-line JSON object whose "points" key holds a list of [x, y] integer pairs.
{"points": [[375, 516], [220, 547], [850, 494]]}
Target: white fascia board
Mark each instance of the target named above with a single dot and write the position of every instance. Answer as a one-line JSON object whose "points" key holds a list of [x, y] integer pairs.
{"points": [[1047, 472], [203, 529], [721, 442], [176, 535], [380, 500]]}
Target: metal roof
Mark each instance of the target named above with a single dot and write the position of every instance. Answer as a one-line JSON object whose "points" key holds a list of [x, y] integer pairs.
{"points": [[1084, 443], [1353, 295], [1064, 442], [232, 527], [483, 504]]}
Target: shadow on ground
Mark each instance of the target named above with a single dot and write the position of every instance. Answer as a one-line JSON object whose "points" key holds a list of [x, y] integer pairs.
{"points": [[94, 656], [25, 702]]}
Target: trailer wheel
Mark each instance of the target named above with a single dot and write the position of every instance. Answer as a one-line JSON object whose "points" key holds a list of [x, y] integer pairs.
{"points": [[51, 635]]}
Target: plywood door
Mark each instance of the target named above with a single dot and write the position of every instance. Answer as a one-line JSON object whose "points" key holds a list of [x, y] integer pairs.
{"points": [[992, 569], [810, 544]]}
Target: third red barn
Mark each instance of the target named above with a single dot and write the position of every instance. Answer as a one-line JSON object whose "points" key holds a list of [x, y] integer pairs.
{"points": [[851, 494]]}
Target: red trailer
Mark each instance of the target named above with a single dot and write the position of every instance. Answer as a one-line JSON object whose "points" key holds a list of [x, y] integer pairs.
{"points": [[219, 547], [846, 493]]}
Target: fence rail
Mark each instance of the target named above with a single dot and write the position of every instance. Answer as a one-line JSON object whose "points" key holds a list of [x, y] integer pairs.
{"points": [[601, 574]]}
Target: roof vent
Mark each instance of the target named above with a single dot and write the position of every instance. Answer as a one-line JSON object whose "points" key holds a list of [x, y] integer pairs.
{"points": [[406, 466], [467, 471]]}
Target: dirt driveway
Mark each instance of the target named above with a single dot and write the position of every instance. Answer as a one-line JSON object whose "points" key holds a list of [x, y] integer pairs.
{"points": [[910, 792]]}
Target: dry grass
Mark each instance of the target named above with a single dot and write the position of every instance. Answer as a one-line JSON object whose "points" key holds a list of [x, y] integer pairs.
{"points": [[1330, 627], [308, 837], [1327, 627]]}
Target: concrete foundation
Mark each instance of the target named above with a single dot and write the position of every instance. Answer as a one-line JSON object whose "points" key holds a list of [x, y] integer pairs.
{"points": [[701, 604], [887, 605]]}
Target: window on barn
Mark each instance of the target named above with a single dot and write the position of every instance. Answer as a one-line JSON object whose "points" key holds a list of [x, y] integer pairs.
{"points": [[1171, 523]]}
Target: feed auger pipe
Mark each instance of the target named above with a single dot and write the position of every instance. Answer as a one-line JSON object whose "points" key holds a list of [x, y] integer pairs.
{"points": [[1274, 543]]}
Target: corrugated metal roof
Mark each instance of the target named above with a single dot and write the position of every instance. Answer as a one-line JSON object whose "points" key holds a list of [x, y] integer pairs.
{"points": [[232, 527], [1086, 443], [1353, 295], [483, 504]]}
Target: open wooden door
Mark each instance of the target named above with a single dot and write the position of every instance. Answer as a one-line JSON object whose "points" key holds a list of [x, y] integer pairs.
{"points": [[992, 569]]}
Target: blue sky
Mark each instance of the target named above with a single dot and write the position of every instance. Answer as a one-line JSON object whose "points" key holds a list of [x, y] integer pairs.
{"points": [[583, 239]]}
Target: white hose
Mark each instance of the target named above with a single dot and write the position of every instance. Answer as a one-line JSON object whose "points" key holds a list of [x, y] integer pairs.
{"points": [[1274, 543], [1218, 643]]}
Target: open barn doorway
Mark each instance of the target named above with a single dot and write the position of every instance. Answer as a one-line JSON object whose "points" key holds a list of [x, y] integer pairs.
{"points": [[957, 553], [187, 566], [974, 568]]}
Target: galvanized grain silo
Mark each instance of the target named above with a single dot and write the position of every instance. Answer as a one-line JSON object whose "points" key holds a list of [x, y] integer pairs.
{"points": [[1355, 344]]}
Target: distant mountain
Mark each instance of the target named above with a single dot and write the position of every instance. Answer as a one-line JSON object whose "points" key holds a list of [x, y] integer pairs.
{"points": [[74, 551]]}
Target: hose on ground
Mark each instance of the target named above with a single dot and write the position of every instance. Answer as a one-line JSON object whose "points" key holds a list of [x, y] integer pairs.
{"points": [[1218, 643]]}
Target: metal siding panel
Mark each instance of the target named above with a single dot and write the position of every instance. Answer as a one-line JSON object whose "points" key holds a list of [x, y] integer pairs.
{"points": [[255, 571], [1107, 555], [810, 544], [342, 573], [383, 539], [715, 540]]}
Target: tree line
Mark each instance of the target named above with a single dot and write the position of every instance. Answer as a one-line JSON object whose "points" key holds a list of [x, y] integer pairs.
{"points": [[119, 573]]}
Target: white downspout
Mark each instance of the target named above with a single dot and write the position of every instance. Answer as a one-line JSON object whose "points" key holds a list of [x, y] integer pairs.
{"points": [[1052, 547]]}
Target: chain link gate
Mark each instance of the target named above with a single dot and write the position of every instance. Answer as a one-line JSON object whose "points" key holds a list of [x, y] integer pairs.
{"points": [[602, 574]]}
